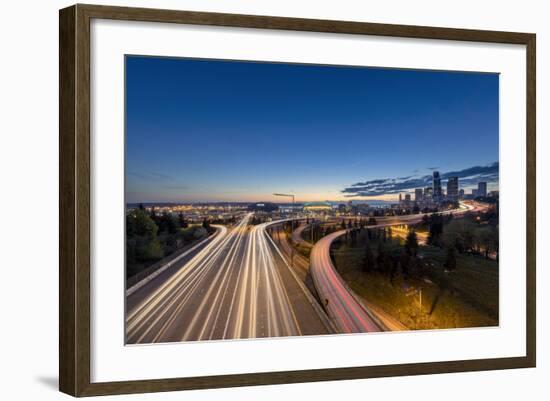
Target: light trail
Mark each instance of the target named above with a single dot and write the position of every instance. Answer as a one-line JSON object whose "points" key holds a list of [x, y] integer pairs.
{"points": [[347, 313], [239, 285], [344, 310], [233, 288]]}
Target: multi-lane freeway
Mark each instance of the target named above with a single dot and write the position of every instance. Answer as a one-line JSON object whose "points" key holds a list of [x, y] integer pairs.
{"points": [[237, 286]]}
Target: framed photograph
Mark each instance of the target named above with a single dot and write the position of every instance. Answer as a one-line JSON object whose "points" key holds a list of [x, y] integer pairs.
{"points": [[250, 200]]}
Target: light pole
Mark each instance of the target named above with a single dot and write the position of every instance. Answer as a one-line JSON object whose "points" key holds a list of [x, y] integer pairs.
{"points": [[288, 196], [291, 225]]}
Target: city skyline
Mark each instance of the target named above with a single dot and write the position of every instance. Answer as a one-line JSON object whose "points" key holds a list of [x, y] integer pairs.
{"points": [[455, 189], [202, 130]]}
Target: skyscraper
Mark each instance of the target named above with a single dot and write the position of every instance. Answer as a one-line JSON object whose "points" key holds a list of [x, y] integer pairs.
{"points": [[437, 186], [428, 193], [482, 189], [452, 189], [418, 195]]}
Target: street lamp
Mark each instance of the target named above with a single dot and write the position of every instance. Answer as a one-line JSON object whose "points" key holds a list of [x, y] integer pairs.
{"points": [[291, 225], [288, 196]]}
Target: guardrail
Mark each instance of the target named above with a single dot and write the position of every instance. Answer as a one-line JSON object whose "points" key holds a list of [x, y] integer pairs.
{"points": [[139, 280]]}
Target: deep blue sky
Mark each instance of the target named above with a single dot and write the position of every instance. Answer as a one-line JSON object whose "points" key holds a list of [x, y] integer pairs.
{"points": [[208, 130]]}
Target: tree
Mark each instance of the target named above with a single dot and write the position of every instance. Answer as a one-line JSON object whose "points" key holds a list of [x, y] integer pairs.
{"points": [[487, 240], [368, 260], [435, 223], [182, 222], [153, 214], [411, 243], [396, 269], [388, 264], [142, 243], [450, 260], [405, 260], [167, 223], [150, 249], [138, 223], [460, 234], [383, 260], [353, 234], [343, 225]]}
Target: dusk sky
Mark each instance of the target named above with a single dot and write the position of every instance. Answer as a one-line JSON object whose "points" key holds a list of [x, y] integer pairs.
{"points": [[207, 130]]}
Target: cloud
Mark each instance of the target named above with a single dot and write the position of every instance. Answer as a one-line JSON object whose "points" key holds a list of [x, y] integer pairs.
{"points": [[489, 169], [388, 186], [151, 176], [176, 186]]}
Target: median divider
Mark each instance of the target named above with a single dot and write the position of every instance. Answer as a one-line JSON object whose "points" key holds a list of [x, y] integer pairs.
{"points": [[320, 311]]}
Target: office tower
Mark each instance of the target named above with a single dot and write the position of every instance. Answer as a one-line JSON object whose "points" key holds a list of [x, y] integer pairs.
{"points": [[418, 195], [482, 189], [452, 189], [428, 193], [437, 186]]}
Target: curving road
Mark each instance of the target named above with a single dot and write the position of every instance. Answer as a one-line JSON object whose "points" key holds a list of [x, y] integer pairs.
{"points": [[297, 236], [236, 286], [346, 312]]}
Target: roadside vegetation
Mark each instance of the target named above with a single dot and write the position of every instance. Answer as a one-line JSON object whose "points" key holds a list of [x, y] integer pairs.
{"points": [[150, 237], [450, 282]]}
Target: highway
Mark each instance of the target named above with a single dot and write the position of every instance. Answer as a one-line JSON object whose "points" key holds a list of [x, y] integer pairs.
{"points": [[238, 285], [297, 235], [299, 262], [347, 312]]}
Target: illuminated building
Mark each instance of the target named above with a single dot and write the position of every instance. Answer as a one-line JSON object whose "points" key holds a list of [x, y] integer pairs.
{"points": [[317, 206], [482, 189], [452, 189], [436, 186]]}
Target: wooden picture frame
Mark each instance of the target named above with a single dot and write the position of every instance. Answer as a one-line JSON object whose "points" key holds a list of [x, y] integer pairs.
{"points": [[74, 205]]}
